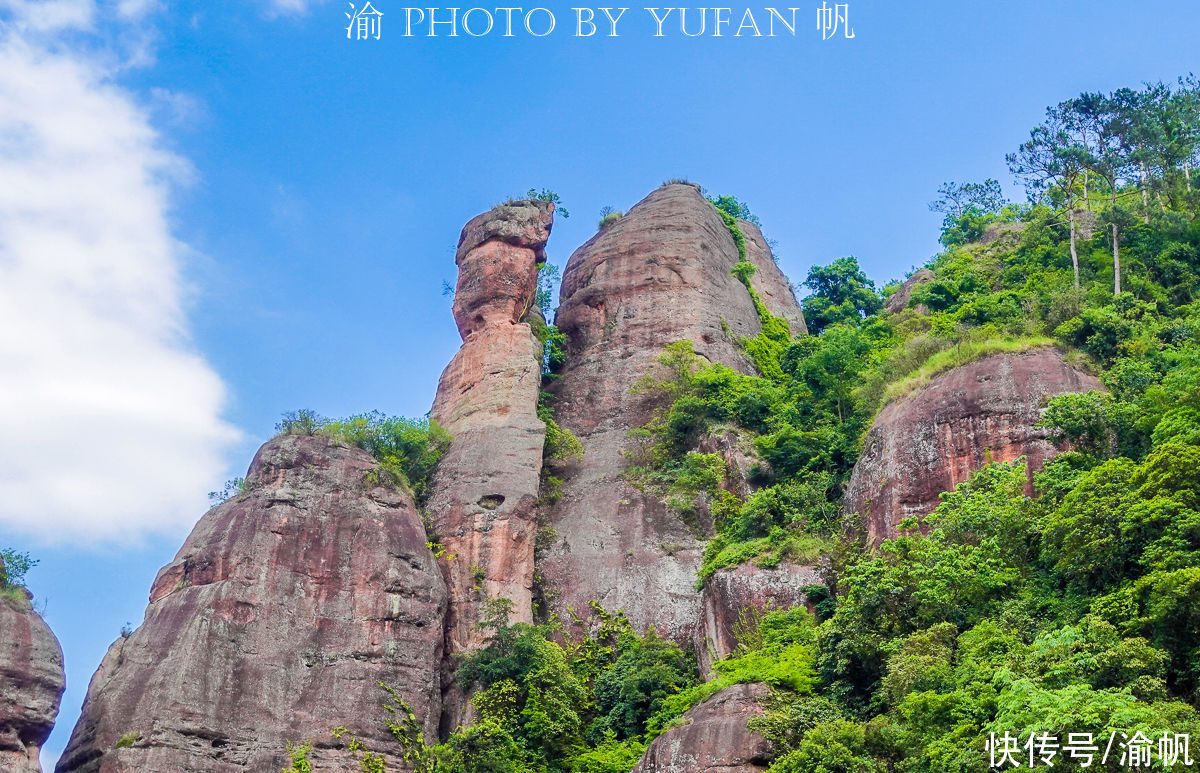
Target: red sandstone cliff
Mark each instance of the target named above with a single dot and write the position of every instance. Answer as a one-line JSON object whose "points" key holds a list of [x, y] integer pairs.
{"points": [[31, 683], [658, 275], [484, 496], [485, 492], [276, 620], [930, 442]]}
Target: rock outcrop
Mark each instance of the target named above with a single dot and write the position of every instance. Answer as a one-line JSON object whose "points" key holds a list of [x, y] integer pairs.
{"points": [[898, 301], [485, 492], [31, 682], [658, 275], [738, 596], [282, 612], [714, 737], [930, 442], [484, 495]]}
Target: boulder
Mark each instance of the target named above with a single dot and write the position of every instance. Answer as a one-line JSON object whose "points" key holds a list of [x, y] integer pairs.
{"points": [[31, 681], [931, 441], [658, 275], [737, 597], [484, 496], [713, 737]]}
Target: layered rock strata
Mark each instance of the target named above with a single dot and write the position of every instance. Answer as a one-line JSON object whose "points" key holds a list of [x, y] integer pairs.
{"points": [[713, 737], [31, 681], [280, 615], [658, 275], [935, 439]]}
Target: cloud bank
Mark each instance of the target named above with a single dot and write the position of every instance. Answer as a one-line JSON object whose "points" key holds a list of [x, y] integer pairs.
{"points": [[110, 422]]}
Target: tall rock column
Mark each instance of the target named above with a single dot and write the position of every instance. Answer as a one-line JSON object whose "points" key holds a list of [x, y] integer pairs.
{"points": [[485, 492], [31, 681]]}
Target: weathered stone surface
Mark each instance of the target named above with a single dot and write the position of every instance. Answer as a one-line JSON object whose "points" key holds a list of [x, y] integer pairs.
{"points": [[772, 286], [497, 258], [714, 737], [658, 275], [930, 442], [31, 683], [484, 495], [737, 596], [280, 614], [898, 301]]}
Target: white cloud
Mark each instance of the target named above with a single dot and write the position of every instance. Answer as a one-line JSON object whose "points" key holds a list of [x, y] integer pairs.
{"points": [[109, 420], [300, 6]]}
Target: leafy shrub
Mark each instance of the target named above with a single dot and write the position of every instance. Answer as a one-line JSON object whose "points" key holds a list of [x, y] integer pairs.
{"points": [[408, 450]]}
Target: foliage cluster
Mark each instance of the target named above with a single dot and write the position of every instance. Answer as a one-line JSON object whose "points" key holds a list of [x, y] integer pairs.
{"points": [[407, 450], [13, 567]]}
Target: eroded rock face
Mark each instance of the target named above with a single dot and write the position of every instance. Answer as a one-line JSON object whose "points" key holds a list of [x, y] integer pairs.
{"points": [[485, 492], [930, 442], [658, 275], [714, 737], [31, 682], [280, 614], [898, 301], [736, 597]]}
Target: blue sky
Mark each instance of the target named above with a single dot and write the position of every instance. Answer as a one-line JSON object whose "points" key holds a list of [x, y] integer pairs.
{"points": [[213, 212]]}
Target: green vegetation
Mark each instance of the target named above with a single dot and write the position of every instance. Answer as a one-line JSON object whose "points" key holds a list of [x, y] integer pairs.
{"points": [[608, 216], [1074, 610], [298, 755], [546, 194], [545, 703], [129, 739], [407, 450], [232, 488], [13, 567]]}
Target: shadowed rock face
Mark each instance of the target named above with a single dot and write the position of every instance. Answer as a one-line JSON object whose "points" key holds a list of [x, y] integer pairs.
{"points": [[734, 597], [714, 737], [31, 683], [772, 286], [658, 275], [930, 442], [280, 614]]}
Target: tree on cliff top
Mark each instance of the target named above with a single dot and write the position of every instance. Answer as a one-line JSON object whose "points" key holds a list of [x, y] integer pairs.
{"points": [[841, 292]]}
